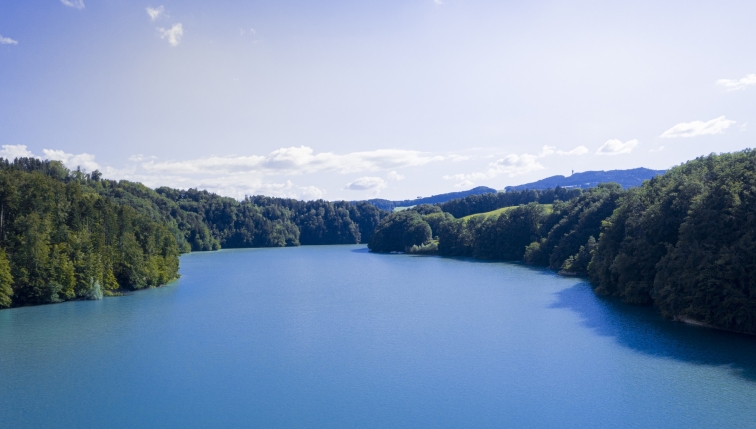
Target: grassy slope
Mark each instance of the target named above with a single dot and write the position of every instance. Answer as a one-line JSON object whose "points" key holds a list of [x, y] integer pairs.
{"points": [[497, 212]]}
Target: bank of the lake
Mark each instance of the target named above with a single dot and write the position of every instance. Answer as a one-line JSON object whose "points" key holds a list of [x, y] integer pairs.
{"points": [[334, 336]]}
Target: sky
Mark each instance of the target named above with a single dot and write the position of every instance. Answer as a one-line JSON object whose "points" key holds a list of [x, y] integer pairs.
{"points": [[362, 99]]}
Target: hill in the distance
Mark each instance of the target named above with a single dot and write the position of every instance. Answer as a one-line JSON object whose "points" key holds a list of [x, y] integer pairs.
{"points": [[389, 205], [584, 180], [589, 179]]}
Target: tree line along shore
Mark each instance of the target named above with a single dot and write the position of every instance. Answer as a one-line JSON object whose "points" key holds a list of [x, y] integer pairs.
{"points": [[69, 235], [682, 242]]}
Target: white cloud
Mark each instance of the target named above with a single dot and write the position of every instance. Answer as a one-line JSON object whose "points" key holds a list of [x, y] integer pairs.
{"points": [[237, 176], [550, 150], [139, 158], [547, 150], [469, 177], [438, 1], [698, 128], [84, 160], [212, 165], [238, 186], [516, 165], [658, 149], [310, 193], [156, 12], [173, 35], [13, 151], [372, 184], [511, 165], [738, 84], [395, 176], [580, 150], [233, 185], [76, 4], [616, 147], [7, 41], [298, 160]]}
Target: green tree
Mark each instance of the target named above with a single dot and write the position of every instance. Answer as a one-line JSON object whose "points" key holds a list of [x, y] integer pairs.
{"points": [[399, 232], [579, 262], [6, 281]]}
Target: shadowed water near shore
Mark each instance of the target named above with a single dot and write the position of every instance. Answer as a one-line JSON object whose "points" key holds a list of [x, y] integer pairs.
{"points": [[642, 329], [335, 336]]}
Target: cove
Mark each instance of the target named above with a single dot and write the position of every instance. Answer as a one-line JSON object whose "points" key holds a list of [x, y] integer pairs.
{"points": [[337, 337]]}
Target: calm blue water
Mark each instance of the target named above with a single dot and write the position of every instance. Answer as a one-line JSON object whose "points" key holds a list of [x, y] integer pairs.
{"points": [[336, 337]]}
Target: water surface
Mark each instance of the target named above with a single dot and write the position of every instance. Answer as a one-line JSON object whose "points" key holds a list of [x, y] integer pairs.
{"points": [[336, 337]]}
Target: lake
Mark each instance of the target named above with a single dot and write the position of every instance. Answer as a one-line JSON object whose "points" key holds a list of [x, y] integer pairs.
{"points": [[336, 337]]}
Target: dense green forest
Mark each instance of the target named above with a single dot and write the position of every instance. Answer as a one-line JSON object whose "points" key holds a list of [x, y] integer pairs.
{"points": [[70, 235], [684, 241], [60, 240], [526, 232]]}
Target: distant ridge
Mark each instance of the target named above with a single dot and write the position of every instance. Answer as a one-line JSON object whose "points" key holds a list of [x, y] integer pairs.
{"points": [[589, 179], [389, 205]]}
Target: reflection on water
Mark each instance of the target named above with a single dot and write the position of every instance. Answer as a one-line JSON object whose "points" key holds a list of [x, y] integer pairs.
{"points": [[644, 330]]}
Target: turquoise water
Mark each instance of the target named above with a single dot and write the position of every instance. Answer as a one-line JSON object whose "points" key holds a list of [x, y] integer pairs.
{"points": [[336, 337]]}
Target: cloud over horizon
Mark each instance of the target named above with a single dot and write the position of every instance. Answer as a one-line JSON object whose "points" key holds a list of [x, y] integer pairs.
{"points": [[513, 165], [550, 150], [298, 160], [72, 161], [738, 84], [274, 174], [13, 151], [84, 160], [698, 128], [616, 147], [395, 176], [372, 184], [238, 176]]}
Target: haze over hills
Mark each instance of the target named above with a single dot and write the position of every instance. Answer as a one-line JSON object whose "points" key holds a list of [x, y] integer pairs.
{"points": [[590, 179], [389, 205], [587, 179]]}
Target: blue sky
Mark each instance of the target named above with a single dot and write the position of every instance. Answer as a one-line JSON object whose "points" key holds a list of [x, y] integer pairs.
{"points": [[356, 99]]}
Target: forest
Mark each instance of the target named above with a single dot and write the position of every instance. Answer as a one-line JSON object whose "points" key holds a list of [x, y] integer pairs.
{"points": [[684, 241], [61, 240], [69, 235]]}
